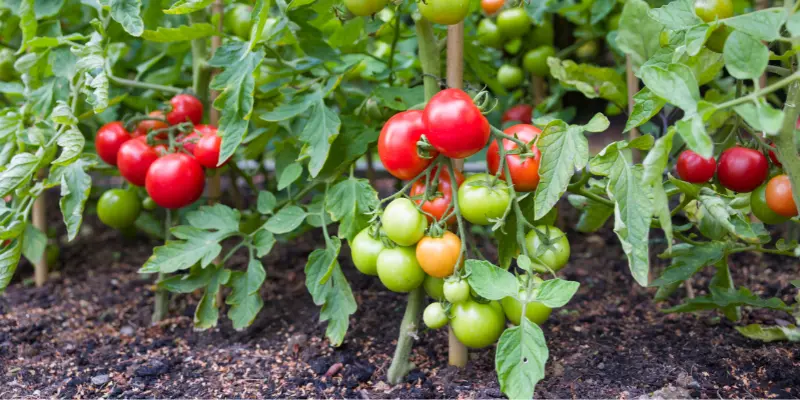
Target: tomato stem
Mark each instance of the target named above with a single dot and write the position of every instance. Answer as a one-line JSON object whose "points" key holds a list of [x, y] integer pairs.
{"points": [[143, 85], [400, 364], [162, 295]]}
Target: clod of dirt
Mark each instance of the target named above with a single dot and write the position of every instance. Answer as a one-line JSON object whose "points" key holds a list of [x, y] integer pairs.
{"points": [[99, 380]]}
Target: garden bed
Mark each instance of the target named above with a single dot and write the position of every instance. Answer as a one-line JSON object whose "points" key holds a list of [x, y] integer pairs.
{"points": [[87, 333]]}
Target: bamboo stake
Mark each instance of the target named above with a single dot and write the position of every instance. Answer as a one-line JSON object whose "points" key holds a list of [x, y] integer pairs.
{"points": [[537, 89]]}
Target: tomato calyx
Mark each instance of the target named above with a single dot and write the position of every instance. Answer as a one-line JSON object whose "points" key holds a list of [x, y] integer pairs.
{"points": [[425, 149], [485, 102]]}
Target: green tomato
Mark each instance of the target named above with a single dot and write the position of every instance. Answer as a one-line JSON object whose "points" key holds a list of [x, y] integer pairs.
{"points": [[587, 51], [403, 223], [541, 35], [513, 22], [612, 23], [434, 287], [148, 204], [445, 12], [556, 255], [535, 311], [364, 8], [434, 316], [510, 76], [716, 42], [612, 110], [456, 291], [535, 61], [477, 325], [758, 204], [483, 197], [710, 10], [488, 34], [399, 270], [237, 20], [118, 208], [364, 249], [7, 72]]}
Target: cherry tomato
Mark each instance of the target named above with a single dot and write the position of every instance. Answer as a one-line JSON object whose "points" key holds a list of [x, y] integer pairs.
{"points": [[397, 145], [513, 46], [488, 34], [438, 256], [134, 159], [364, 8], [483, 197], [237, 20], [175, 180], [434, 287], [403, 223], [477, 325], [587, 51], [521, 112], [693, 168], [456, 291], [185, 108], [207, 150], [541, 35], [710, 10], [758, 204], [513, 22], [455, 126], [440, 204], [118, 208], [491, 6], [189, 141], [741, 169], [144, 127], [779, 196], [535, 60], [399, 270], [774, 157], [434, 316], [445, 12], [554, 256], [535, 311], [510, 76], [524, 173], [364, 250], [109, 139]]}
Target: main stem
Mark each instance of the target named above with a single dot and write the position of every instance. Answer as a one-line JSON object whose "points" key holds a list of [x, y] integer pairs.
{"points": [[201, 72], [429, 58], [162, 296], [40, 222]]}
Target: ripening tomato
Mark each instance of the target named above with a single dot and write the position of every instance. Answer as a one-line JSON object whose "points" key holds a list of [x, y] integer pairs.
{"points": [[510, 76], [118, 208], [710, 10], [365, 8], [134, 159], [779, 196], [541, 35], [477, 325], [175, 180], [692, 167], [185, 108], [438, 256], [455, 126], [741, 169], [513, 22], [483, 197], [109, 139], [758, 204], [492, 6], [403, 223], [144, 127], [207, 149], [434, 316], [445, 12], [364, 250], [397, 145], [535, 61], [521, 112], [399, 270], [456, 291], [189, 142], [587, 51], [488, 34], [434, 287], [556, 254], [524, 171], [440, 204]]}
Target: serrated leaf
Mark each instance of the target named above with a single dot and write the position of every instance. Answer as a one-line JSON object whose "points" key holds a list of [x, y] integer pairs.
{"points": [[286, 220], [593, 213], [263, 242], [556, 293], [688, 259], [721, 299], [745, 57], [206, 314], [598, 123], [289, 174], [564, 149], [182, 33], [491, 282], [18, 172], [351, 202], [187, 6], [520, 359], [217, 217], [76, 185], [27, 22], [676, 84], [770, 333], [592, 81], [127, 13], [179, 255], [320, 131], [296, 106], [9, 259], [762, 25], [71, 143], [34, 243], [187, 283], [398, 98], [329, 289], [676, 15], [761, 116]]}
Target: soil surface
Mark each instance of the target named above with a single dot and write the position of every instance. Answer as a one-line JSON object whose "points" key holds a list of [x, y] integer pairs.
{"points": [[87, 334]]}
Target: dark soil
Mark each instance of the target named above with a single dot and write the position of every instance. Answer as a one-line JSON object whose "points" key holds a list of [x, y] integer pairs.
{"points": [[87, 334]]}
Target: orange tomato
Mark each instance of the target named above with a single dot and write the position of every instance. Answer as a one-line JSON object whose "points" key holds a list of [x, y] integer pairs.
{"points": [[438, 256], [491, 6], [779, 196]]}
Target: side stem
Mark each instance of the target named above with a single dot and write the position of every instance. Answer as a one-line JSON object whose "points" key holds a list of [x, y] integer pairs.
{"points": [[162, 296]]}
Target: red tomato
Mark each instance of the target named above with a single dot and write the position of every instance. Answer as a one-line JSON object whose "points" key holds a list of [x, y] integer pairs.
{"points": [[455, 125], [189, 142], [150, 125], [108, 140], [521, 112], [774, 157], [694, 168], [134, 159], [779, 196], [524, 173], [437, 207], [741, 169], [185, 107], [175, 180], [491, 6], [207, 150], [397, 145]]}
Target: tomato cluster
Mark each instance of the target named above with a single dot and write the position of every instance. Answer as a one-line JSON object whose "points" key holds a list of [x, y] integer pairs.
{"points": [[165, 152]]}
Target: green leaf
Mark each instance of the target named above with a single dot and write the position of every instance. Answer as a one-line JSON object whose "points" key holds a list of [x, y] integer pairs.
{"points": [[197, 278], [598, 123], [770, 333], [593, 213], [9, 259], [675, 83], [187, 6], [537, 9], [126, 12], [289, 175], [27, 22], [693, 132], [793, 24], [13, 230], [179, 255], [688, 189], [762, 25], [399, 98], [206, 314], [286, 220], [696, 37], [329, 289], [320, 131], [182, 33], [217, 217], [600, 9], [71, 143], [678, 14], [293, 108], [745, 57], [520, 359], [638, 34], [266, 202], [564, 149], [715, 208], [76, 185], [556, 293], [263, 242], [491, 282], [62, 114], [655, 163], [688, 259], [244, 313], [10, 124], [351, 203], [594, 82], [33, 243], [761, 116], [18, 172], [728, 298]]}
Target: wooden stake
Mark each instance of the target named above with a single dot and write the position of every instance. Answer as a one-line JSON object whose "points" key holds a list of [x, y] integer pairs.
{"points": [[40, 222], [537, 88], [455, 79]]}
